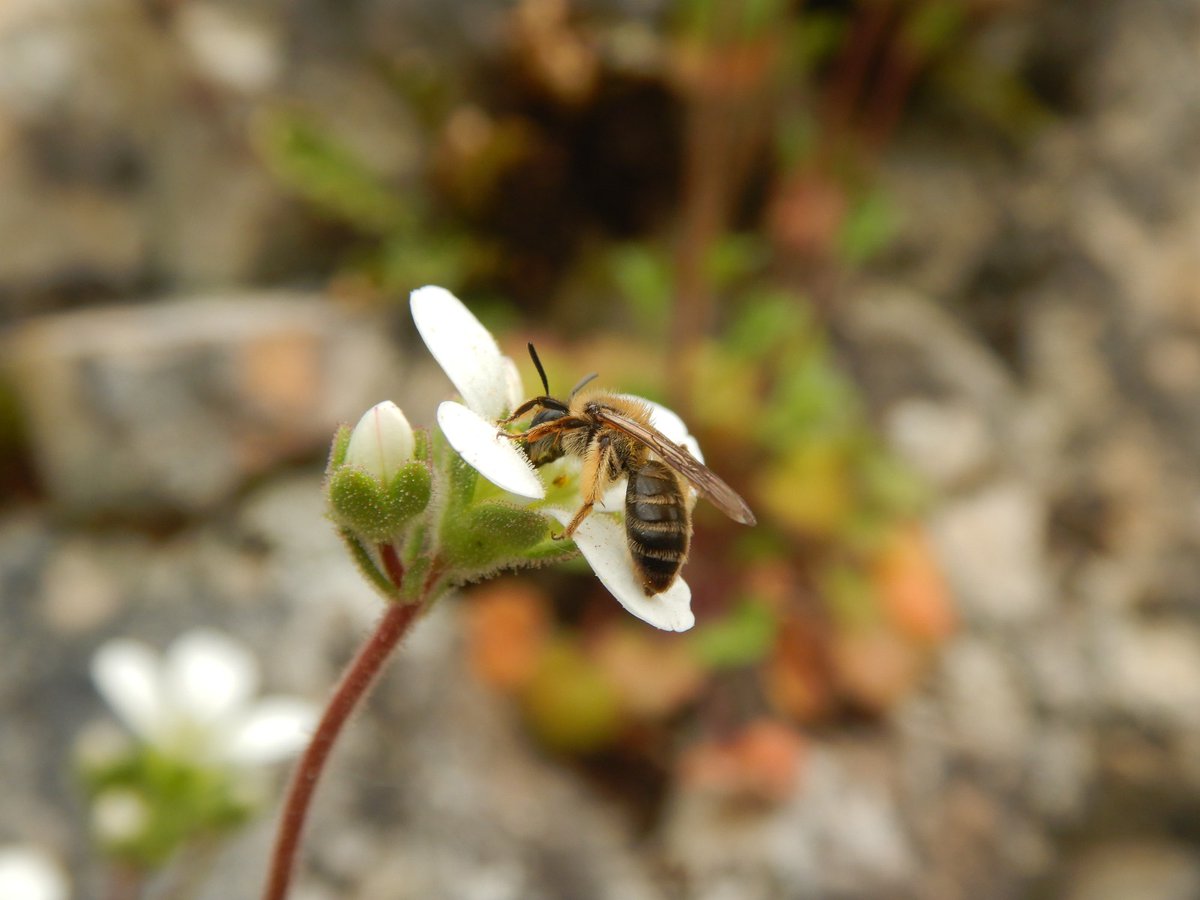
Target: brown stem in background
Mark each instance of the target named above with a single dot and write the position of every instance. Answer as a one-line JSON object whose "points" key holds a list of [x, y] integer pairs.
{"points": [[851, 70], [897, 72], [358, 677], [727, 92], [125, 882]]}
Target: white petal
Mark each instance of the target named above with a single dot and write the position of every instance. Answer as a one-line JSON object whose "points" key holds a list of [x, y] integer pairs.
{"points": [[29, 873], [273, 729], [464, 349], [601, 540], [496, 458], [128, 675], [209, 676], [381, 442]]}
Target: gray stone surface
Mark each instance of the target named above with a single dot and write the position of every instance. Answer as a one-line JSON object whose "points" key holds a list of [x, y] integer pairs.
{"points": [[173, 406]]}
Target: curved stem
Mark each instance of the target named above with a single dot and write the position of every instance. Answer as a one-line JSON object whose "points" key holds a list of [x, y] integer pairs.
{"points": [[357, 678], [126, 882]]}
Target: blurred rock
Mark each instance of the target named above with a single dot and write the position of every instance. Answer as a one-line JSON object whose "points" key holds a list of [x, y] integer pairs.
{"points": [[1152, 671], [838, 834], [948, 444], [986, 706], [1134, 870], [171, 407], [991, 545], [231, 47], [1062, 770]]}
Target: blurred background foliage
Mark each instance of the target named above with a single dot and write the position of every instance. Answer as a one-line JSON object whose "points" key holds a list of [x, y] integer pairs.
{"points": [[833, 234], [674, 197], [672, 201]]}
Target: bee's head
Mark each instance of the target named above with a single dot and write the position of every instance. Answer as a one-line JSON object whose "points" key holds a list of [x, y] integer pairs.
{"points": [[549, 448], [547, 414]]}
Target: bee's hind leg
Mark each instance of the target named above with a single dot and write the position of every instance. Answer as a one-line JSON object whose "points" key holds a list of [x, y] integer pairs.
{"points": [[594, 465], [569, 533]]}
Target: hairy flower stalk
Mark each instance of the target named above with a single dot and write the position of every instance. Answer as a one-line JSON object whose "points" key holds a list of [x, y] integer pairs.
{"points": [[422, 513]]}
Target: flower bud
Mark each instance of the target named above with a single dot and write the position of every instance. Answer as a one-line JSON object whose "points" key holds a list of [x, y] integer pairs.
{"points": [[381, 442]]}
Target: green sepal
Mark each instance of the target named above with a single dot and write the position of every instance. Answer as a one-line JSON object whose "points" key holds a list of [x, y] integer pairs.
{"points": [[337, 452], [421, 445], [493, 533], [361, 503], [410, 490], [366, 564]]}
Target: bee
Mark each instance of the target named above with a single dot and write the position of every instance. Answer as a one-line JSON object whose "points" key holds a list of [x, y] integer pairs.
{"points": [[613, 436]]}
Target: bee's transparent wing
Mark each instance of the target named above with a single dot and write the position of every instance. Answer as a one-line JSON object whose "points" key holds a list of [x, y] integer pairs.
{"points": [[721, 495]]}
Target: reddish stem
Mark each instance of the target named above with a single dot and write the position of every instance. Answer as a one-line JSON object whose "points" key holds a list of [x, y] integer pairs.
{"points": [[392, 567], [357, 678]]}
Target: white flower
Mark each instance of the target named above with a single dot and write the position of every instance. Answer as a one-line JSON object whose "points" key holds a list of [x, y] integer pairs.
{"points": [[196, 703], [488, 381], [491, 387], [29, 873], [381, 442]]}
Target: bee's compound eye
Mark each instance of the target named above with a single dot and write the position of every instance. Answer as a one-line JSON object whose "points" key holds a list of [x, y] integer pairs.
{"points": [[545, 415]]}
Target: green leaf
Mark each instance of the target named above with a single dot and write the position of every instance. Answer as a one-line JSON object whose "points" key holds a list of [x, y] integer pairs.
{"points": [[306, 158], [932, 26], [870, 226], [644, 279]]}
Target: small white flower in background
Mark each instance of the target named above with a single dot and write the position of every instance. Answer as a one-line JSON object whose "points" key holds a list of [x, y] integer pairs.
{"points": [[381, 442], [490, 385], [197, 702], [30, 873]]}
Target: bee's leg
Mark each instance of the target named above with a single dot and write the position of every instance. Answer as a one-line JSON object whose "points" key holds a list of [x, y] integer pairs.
{"points": [[591, 478], [583, 513], [520, 411]]}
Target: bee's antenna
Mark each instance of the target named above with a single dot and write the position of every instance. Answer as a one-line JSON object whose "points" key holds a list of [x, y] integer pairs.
{"points": [[583, 381], [538, 365]]}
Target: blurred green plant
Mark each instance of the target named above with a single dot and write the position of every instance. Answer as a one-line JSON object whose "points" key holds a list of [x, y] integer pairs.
{"points": [[406, 243]]}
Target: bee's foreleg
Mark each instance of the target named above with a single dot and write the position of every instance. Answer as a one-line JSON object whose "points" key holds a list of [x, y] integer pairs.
{"points": [[520, 411]]}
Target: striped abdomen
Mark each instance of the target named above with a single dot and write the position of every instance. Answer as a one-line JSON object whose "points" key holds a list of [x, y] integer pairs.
{"points": [[657, 525]]}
